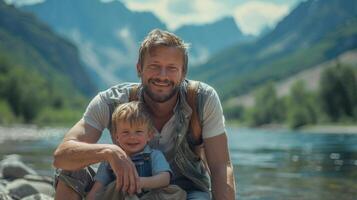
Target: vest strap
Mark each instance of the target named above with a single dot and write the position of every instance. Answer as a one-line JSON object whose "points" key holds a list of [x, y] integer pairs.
{"points": [[133, 93], [195, 125]]}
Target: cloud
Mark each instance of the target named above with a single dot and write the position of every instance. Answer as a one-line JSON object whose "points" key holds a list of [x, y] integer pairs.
{"points": [[176, 13], [254, 15], [23, 2], [250, 15]]}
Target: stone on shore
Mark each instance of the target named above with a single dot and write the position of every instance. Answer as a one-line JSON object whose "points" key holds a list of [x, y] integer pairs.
{"points": [[21, 188], [18, 181], [12, 168], [38, 197]]}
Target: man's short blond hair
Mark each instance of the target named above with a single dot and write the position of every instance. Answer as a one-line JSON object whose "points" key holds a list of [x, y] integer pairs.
{"points": [[134, 112], [159, 37]]}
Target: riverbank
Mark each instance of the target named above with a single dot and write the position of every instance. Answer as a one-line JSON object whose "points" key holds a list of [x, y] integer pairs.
{"points": [[26, 132]]}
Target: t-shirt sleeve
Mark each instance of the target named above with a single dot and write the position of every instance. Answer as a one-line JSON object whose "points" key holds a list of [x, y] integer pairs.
{"points": [[104, 174], [97, 113], [159, 163], [213, 119]]}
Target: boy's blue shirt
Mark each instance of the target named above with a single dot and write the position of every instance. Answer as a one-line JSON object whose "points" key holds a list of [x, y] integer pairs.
{"points": [[148, 162]]}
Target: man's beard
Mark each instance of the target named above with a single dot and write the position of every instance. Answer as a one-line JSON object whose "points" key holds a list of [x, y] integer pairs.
{"points": [[161, 98]]}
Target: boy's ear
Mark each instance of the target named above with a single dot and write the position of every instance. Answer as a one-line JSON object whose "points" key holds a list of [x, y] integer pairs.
{"points": [[151, 135], [115, 139]]}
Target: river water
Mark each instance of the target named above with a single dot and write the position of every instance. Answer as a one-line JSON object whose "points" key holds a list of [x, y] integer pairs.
{"points": [[267, 164]]}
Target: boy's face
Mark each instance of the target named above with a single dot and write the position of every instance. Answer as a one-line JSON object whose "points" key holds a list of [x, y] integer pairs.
{"points": [[132, 139]]}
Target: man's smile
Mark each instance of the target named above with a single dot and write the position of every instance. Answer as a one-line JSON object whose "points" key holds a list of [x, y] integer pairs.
{"points": [[159, 83]]}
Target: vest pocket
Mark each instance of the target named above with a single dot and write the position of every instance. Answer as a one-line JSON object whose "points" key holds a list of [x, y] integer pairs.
{"points": [[192, 167]]}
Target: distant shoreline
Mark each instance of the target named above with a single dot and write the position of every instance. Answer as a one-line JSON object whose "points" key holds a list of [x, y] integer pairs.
{"points": [[343, 129], [314, 129]]}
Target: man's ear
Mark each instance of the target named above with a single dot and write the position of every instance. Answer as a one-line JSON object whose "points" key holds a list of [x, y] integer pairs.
{"points": [[138, 69]]}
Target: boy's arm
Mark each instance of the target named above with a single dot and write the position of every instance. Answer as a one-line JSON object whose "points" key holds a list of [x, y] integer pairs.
{"points": [[161, 179], [96, 188]]}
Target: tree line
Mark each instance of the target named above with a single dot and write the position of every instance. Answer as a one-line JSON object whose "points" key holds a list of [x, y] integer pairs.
{"points": [[28, 97], [335, 101]]}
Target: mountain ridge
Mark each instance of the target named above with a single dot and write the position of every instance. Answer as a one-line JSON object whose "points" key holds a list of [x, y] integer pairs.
{"points": [[282, 52], [111, 50], [201, 36], [38, 48]]}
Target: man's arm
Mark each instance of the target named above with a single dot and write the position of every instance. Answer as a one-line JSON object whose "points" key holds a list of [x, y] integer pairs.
{"points": [[219, 163], [78, 150]]}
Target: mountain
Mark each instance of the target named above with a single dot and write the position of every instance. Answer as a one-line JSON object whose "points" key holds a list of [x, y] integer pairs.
{"points": [[208, 39], [311, 78], [27, 42], [107, 34], [42, 80], [314, 32]]}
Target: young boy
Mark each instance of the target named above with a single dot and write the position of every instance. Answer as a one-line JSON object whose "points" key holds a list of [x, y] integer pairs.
{"points": [[132, 129]]}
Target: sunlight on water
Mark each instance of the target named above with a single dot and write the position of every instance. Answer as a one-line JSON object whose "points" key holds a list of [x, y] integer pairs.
{"points": [[267, 164]]}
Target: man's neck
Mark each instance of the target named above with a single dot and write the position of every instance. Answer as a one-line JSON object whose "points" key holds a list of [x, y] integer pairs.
{"points": [[161, 111]]}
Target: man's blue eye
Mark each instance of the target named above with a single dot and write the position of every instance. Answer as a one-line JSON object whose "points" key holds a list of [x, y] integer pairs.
{"points": [[173, 68]]}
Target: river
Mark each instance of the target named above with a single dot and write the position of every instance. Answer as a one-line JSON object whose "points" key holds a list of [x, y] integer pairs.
{"points": [[267, 164]]}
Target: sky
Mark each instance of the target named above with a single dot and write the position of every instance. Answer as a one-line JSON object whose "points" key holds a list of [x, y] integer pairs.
{"points": [[251, 16]]}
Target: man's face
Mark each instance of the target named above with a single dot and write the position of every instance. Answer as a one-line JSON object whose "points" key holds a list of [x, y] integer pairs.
{"points": [[132, 138], [162, 73]]}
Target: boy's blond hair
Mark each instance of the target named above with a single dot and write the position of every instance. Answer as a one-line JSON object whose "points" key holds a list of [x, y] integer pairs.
{"points": [[134, 112]]}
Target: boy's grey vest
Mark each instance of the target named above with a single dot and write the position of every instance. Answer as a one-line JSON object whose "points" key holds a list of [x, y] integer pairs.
{"points": [[185, 163]]}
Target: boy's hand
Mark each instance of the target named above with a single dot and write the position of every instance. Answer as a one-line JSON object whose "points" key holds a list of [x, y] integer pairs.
{"points": [[127, 178]]}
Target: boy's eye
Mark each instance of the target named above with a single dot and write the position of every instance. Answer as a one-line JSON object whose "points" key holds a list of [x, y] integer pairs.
{"points": [[125, 132], [140, 132]]}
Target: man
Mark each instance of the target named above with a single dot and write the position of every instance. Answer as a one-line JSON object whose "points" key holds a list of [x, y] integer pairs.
{"points": [[162, 67]]}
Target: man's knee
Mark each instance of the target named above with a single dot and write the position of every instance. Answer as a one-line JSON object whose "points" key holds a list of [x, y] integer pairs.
{"points": [[78, 182]]}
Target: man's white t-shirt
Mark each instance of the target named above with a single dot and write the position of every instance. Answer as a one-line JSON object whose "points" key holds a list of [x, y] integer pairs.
{"points": [[97, 115]]}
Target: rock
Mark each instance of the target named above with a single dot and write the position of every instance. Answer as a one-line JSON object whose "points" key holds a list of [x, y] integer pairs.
{"points": [[3, 189], [38, 178], [21, 188], [12, 168], [18, 181], [4, 196], [38, 197]]}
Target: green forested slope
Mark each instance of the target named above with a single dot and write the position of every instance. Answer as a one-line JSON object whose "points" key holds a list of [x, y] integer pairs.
{"points": [[41, 77], [27, 42], [315, 31]]}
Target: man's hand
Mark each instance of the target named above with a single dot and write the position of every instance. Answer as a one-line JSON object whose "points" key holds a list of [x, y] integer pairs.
{"points": [[127, 178]]}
